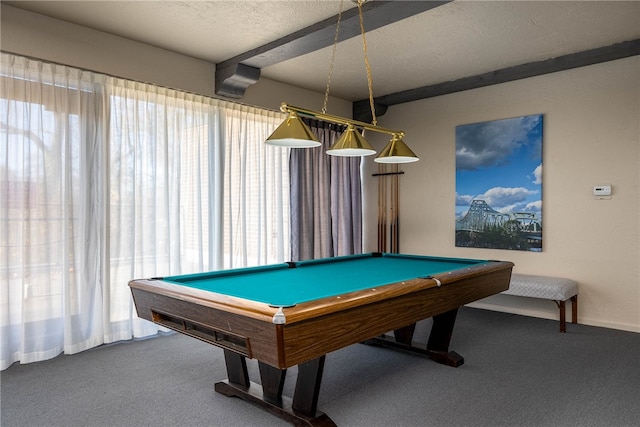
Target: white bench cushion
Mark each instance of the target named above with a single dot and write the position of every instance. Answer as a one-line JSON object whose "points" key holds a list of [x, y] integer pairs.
{"points": [[550, 288]]}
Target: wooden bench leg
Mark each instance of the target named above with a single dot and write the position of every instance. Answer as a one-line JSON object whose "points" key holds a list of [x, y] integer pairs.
{"points": [[574, 312], [563, 323]]}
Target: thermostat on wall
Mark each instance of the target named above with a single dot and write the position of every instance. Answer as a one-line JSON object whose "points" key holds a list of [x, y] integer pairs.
{"points": [[602, 191]]}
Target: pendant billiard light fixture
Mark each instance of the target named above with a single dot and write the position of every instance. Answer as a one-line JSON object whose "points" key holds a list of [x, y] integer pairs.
{"points": [[294, 133]]}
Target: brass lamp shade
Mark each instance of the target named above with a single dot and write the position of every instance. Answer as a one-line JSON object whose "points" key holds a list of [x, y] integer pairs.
{"points": [[396, 151], [293, 133], [351, 144]]}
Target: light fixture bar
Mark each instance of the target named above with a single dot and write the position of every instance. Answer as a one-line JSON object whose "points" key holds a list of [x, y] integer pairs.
{"points": [[286, 108]]}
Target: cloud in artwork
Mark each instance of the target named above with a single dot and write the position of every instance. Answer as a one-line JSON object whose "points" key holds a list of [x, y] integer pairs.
{"points": [[490, 144], [537, 175], [464, 199], [533, 206], [503, 199]]}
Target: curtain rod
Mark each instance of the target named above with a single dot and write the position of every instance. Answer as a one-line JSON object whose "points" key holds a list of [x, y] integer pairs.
{"points": [[46, 61]]}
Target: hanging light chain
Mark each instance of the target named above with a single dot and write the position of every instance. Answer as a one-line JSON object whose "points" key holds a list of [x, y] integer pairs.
{"points": [[350, 144], [333, 59], [374, 120]]}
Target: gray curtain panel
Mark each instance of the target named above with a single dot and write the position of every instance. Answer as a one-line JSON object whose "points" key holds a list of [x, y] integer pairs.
{"points": [[326, 199]]}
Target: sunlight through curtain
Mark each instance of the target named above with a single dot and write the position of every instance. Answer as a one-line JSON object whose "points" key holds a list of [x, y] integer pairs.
{"points": [[104, 180]]}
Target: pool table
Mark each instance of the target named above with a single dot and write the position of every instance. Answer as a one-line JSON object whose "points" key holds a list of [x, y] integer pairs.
{"points": [[293, 314]]}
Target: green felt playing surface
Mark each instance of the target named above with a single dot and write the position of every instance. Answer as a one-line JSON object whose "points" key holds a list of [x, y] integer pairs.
{"points": [[280, 285]]}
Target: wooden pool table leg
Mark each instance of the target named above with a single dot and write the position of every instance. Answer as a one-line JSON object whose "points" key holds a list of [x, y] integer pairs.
{"points": [[405, 335], [272, 382], [440, 338], [236, 368], [305, 398], [438, 345], [300, 411]]}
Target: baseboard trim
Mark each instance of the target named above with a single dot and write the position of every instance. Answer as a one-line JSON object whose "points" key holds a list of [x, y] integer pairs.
{"points": [[554, 316]]}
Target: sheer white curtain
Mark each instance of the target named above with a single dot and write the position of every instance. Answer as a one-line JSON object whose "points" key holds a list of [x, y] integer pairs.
{"points": [[256, 191], [103, 180]]}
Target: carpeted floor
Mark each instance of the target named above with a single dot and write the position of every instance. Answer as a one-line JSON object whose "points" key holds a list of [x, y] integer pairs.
{"points": [[518, 371]]}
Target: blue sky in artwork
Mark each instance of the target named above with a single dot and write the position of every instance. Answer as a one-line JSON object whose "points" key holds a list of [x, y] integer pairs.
{"points": [[500, 162]]}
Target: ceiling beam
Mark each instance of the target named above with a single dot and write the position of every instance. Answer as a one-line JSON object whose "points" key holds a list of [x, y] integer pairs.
{"points": [[362, 110], [234, 75]]}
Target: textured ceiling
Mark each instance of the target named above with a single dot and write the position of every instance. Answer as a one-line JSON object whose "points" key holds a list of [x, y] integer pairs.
{"points": [[458, 39]]}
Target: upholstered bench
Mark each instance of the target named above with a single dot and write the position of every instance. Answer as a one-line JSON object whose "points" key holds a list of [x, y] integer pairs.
{"points": [[557, 289]]}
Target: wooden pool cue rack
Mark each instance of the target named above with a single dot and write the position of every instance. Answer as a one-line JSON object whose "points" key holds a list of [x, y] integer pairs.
{"points": [[388, 207]]}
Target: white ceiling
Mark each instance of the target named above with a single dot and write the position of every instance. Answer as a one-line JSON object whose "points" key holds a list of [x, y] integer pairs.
{"points": [[458, 39]]}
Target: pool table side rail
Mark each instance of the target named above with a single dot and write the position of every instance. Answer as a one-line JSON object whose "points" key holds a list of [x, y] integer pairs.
{"points": [[329, 305], [245, 307], [336, 329]]}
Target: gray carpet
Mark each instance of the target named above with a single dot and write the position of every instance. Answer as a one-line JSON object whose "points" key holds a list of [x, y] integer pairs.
{"points": [[518, 371]]}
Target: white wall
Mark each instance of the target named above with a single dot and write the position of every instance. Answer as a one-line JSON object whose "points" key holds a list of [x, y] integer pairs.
{"points": [[591, 136]]}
